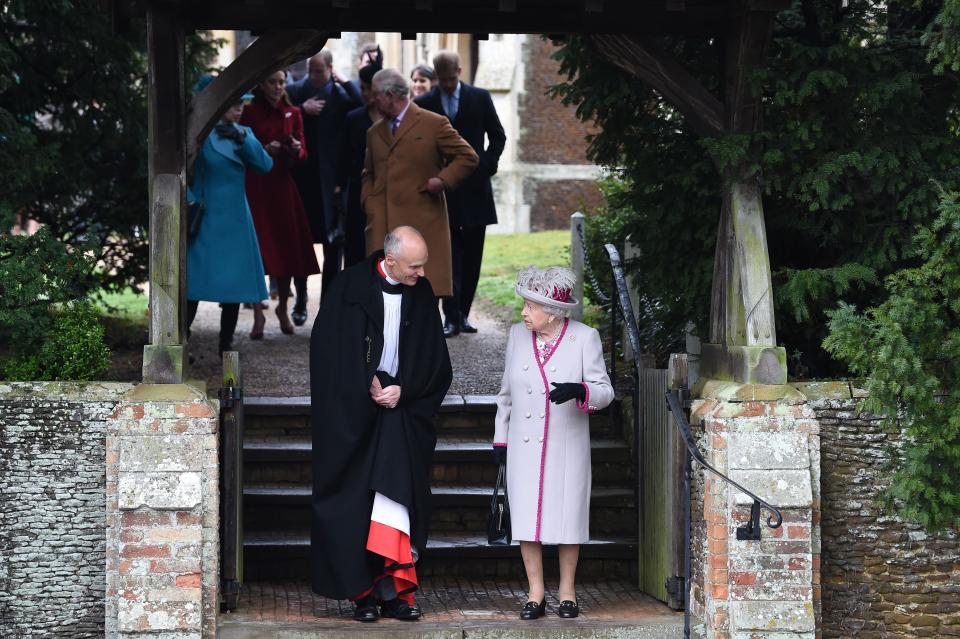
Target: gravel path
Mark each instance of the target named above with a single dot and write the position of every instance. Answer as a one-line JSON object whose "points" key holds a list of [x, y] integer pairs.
{"points": [[278, 365]]}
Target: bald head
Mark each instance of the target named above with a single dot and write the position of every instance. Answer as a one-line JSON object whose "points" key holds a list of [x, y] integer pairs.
{"points": [[405, 254]]}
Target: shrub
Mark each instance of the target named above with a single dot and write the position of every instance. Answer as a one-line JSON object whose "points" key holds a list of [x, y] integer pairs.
{"points": [[48, 329], [908, 348]]}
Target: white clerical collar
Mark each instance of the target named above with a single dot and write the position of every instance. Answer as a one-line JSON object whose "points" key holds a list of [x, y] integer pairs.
{"points": [[390, 280]]}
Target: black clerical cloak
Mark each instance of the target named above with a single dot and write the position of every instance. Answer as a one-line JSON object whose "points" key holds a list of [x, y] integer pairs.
{"points": [[360, 448]]}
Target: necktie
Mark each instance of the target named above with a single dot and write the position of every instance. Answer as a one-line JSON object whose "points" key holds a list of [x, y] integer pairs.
{"points": [[394, 125]]}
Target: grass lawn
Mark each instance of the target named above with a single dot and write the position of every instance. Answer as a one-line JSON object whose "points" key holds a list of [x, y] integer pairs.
{"points": [[504, 255], [130, 305]]}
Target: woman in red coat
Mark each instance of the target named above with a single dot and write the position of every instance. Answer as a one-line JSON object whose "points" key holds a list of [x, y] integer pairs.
{"points": [[278, 215]]}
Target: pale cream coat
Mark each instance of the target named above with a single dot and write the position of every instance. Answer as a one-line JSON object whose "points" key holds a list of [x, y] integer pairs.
{"points": [[548, 445]]}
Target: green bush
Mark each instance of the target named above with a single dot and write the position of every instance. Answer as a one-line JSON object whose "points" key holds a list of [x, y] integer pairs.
{"points": [[48, 328], [908, 349]]}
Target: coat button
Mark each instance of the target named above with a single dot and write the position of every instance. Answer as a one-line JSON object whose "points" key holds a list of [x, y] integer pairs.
{"points": [[525, 367], [542, 391], [526, 439], [541, 417], [553, 369], [541, 440], [527, 415], [529, 390]]}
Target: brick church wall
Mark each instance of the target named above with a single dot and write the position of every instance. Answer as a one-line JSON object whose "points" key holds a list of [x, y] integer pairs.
{"points": [[53, 507], [551, 134]]}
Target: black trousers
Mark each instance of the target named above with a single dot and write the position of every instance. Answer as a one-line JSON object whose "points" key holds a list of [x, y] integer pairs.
{"points": [[228, 319], [466, 251]]}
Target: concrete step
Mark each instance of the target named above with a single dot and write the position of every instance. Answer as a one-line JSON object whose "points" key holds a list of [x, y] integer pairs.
{"points": [[286, 555], [541, 629], [456, 461], [455, 508], [459, 414]]}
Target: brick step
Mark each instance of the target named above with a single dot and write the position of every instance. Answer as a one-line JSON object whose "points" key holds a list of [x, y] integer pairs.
{"points": [[456, 460], [455, 508], [459, 414], [286, 555]]}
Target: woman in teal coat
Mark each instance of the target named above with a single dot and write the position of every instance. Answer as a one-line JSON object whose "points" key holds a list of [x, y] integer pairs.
{"points": [[223, 259]]}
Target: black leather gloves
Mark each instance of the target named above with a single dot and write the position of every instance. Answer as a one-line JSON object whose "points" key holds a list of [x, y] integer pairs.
{"points": [[230, 132], [499, 455], [565, 391]]}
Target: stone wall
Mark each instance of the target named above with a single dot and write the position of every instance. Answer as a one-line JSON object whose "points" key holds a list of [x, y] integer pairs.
{"points": [[882, 577], [53, 507]]}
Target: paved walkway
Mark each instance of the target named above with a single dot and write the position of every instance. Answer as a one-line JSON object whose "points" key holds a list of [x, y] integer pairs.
{"points": [[453, 606], [278, 365]]}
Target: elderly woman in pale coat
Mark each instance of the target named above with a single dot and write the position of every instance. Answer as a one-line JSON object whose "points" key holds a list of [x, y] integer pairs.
{"points": [[553, 377]]}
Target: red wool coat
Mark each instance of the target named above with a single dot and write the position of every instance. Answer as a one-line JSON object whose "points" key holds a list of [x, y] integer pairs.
{"points": [[278, 215]]}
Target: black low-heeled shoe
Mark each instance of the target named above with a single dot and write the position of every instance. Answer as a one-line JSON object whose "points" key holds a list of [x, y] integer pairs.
{"points": [[366, 610], [533, 610], [568, 609]]}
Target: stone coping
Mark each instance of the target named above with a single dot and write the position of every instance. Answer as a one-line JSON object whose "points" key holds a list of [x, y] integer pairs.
{"points": [[790, 393], [65, 391]]}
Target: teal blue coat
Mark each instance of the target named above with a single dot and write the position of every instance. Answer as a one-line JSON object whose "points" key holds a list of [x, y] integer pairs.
{"points": [[223, 260]]}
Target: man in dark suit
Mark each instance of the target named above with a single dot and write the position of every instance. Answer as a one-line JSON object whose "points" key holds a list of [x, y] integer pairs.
{"points": [[353, 151], [471, 207], [324, 101]]}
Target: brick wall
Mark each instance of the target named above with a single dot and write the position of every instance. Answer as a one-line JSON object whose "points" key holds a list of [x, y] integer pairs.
{"points": [[52, 508], [551, 132], [552, 201], [882, 577], [551, 135]]}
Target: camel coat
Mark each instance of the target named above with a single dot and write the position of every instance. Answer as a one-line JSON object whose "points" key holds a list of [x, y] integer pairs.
{"points": [[395, 173], [548, 445]]}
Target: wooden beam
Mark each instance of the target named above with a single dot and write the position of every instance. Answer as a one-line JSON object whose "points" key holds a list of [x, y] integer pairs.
{"points": [[668, 77], [274, 50], [530, 17], [166, 163]]}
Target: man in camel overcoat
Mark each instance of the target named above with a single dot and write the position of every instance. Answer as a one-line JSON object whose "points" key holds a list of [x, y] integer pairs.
{"points": [[414, 157]]}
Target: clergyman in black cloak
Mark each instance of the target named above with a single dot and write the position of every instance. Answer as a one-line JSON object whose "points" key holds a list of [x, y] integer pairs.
{"points": [[364, 451]]}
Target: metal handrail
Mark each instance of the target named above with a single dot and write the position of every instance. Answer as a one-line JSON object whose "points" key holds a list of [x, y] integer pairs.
{"points": [[752, 529]]}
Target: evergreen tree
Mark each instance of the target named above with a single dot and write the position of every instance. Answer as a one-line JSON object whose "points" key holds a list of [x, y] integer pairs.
{"points": [[73, 128], [856, 123]]}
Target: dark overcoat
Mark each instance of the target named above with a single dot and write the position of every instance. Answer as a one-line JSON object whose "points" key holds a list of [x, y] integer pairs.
{"points": [[472, 203], [360, 448], [323, 132]]}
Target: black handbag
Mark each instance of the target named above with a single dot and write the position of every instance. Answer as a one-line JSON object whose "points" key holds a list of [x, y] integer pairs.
{"points": [[194, 219], [196, 209], [498, 521]]}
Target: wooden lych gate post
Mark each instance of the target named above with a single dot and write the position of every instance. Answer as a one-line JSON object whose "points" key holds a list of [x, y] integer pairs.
{"points": [[177, 131], [743, 341]]}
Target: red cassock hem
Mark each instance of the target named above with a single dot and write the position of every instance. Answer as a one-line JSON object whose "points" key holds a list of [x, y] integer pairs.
{"points": [[394, 546]]}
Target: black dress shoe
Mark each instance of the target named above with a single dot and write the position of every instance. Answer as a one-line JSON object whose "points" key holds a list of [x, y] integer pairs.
{"points": [[533, 610], [299, 316], [366, 610], [400, 609], [467, 327], [568, 609], [450, 329]]}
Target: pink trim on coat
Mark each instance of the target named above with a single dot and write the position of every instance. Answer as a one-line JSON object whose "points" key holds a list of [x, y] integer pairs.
{"points": [[585, 404], [498, 444], [546, 414]]}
